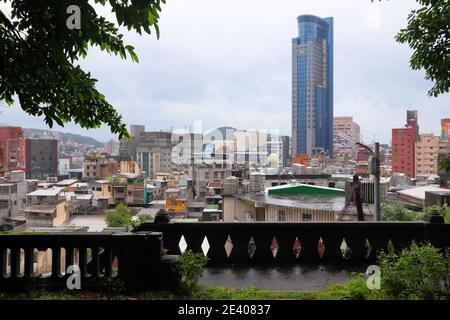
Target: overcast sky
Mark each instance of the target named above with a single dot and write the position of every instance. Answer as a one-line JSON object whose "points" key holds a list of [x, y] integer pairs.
{"points": [[228, 62]]}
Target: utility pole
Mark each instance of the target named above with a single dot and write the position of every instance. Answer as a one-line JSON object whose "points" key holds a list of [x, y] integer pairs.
{"points": [[357, 194], [374, 168], [377, 181]]}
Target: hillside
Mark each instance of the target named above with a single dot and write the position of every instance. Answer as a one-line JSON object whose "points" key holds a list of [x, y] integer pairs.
{"points": [[29, 133]]}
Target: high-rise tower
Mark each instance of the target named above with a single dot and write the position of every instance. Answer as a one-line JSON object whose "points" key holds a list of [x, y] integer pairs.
{"points": [[312, 86]]}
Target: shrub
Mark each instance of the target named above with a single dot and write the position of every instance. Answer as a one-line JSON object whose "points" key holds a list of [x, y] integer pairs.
{"points": [[121, 217], [443, 210], [354, 289], [396, 211], [138, 219], [190, 265], [418, 272]]}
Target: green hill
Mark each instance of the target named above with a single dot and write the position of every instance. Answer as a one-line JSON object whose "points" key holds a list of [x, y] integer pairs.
{"points": [[30, 133]]}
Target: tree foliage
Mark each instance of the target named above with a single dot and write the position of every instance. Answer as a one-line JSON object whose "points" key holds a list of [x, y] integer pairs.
{"points": [[428, 34], [418, 272], [445, 163], [395, 211], [39, 55], [119, 218]]}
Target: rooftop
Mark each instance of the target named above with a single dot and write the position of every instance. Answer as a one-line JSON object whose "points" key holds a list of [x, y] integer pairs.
{"points": [[419, 192], [50, 192], [215, 184], [304, 189], [67, 182], [42, 208]]}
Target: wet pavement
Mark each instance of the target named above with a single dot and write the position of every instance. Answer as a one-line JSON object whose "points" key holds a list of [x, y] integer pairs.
{"points": [[280, 278]]}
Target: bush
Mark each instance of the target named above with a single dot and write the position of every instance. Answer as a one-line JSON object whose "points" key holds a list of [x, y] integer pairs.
{"points": [[138, 219], [119, 217], [190, 265], [443, 210], [419, 272], [354, 289], [396, 211]]}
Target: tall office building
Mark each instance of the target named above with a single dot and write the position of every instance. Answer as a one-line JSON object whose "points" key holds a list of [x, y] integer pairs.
{"points": [[312, 86], [154, 152], [128, 147]]}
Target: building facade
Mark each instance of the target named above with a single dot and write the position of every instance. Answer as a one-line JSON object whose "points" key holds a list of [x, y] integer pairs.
{"points": [[286, 150], [346, 133], [403, 145], [445, 129], [427, 155], [154, 152], [312, 86], [63, 166], [403, 151], [12, 149], [99, 167], [41, 158]]}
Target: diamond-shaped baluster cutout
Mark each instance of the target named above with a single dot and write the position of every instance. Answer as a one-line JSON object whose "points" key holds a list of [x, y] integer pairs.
{"points": [[205, 246], [274, 246], [182, 244], [368, 247], [345, 249], [251, 247], [321, 247], [297, 248], [228, 246]]}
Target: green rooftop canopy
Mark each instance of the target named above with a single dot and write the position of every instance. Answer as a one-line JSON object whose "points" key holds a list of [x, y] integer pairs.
{"points": [[304, 189]]}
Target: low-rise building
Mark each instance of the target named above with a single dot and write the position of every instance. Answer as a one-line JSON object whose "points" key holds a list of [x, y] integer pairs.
{"points": [[13, 191], [47, 208]]}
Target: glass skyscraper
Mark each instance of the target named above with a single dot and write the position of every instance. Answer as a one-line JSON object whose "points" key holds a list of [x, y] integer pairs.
{"points": [[312, 86]]}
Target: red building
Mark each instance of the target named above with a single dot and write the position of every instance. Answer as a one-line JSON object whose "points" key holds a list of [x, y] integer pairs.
{"points": [[403, 141], [12, 149], [403, 145]]}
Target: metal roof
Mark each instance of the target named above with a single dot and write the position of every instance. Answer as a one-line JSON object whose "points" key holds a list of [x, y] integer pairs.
{"points": [[304, 189]]}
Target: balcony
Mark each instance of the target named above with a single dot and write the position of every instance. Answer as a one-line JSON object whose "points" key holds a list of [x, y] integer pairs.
{"points": [[274, 243], [274, 255]]}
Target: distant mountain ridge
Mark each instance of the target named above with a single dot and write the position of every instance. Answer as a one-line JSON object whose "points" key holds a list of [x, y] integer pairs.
{"points": [[29, 133]]}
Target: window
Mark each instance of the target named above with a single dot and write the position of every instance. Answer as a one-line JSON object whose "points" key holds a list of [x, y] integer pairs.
{"points": [[307, 217], [281, 215]]}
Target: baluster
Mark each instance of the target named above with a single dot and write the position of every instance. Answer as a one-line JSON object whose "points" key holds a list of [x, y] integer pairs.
{"points": [[56, 262], [95, 262], [15, 263], [2, 262], [69, 257], [83, 261], [29, 262], [109, 259]]}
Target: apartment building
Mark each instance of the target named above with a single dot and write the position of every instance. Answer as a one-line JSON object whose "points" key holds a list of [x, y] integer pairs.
{"points": [[427, 155]]}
